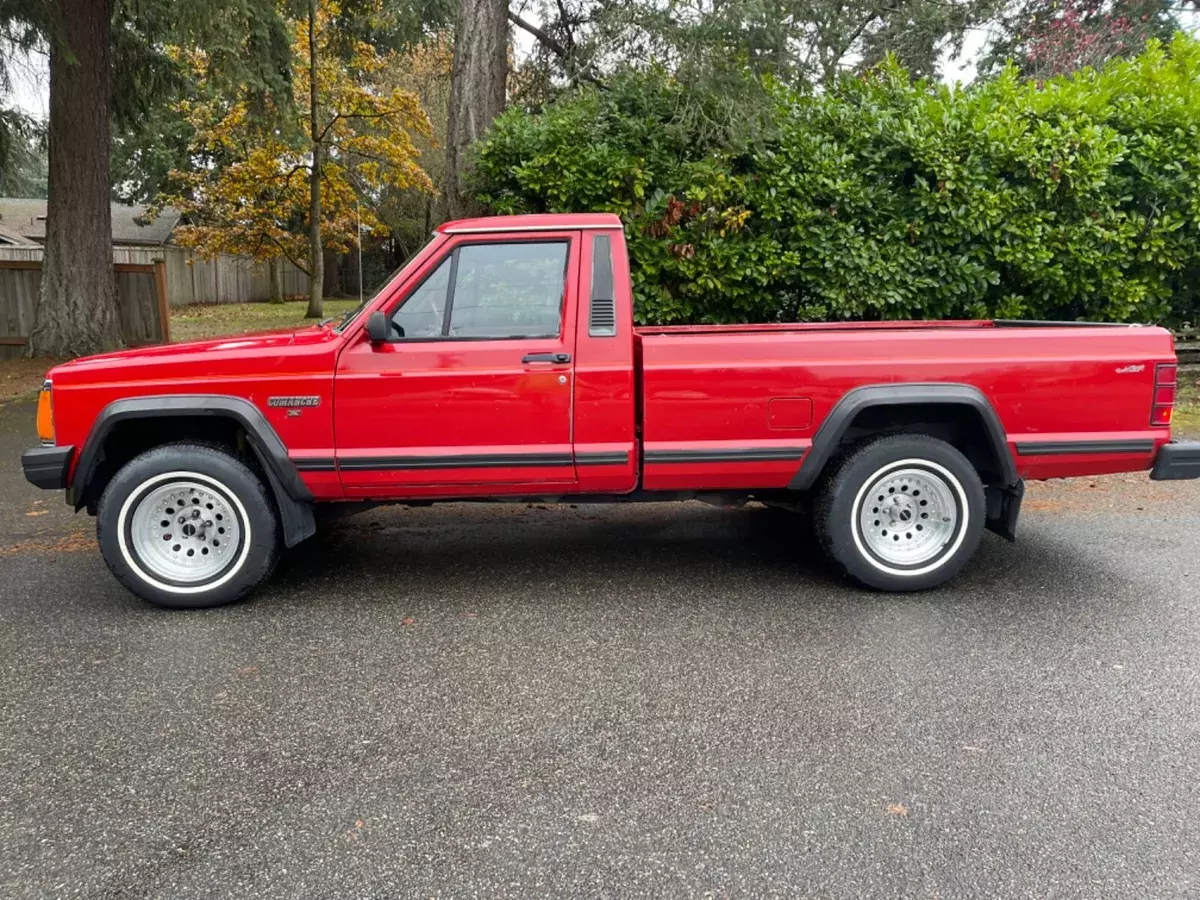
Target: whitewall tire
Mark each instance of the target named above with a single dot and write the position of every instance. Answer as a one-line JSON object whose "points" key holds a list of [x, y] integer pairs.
{"points": [[187, 526], [900, 512]]}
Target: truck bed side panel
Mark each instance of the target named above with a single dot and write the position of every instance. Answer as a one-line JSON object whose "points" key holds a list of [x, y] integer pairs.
{"points": [[726, 409]]}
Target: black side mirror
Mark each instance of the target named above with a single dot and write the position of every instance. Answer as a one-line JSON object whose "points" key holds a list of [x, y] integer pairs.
{"points": [[377, 327]]}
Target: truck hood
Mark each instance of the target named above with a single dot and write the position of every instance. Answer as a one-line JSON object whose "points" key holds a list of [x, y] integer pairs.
{"points": [[259, 351]]}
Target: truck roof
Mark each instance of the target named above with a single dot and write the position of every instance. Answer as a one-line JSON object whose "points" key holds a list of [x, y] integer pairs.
{"points": [[538, 222]]}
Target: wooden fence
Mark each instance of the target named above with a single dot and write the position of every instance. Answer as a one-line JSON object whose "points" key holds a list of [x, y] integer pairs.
{"points": [[141, 299], [193, 279], [1187, 346], [226, 279]]}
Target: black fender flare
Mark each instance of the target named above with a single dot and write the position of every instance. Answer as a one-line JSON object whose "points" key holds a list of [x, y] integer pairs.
{"points": [[826, 440], [292, 496]]}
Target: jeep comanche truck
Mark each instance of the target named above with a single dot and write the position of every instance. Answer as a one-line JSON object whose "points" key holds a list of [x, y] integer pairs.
{"points": [[502, 362]]}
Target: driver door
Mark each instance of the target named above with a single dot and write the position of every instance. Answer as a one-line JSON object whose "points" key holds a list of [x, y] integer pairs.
{"points": [[472, 391]]}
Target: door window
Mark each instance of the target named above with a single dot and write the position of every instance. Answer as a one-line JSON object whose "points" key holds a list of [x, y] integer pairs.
{"points": [[423, 313], [492, 291]]}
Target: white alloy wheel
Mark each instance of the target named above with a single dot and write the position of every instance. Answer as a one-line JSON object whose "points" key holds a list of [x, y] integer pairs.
{"points": [[900, 512], [183, 532], [910, 516]]}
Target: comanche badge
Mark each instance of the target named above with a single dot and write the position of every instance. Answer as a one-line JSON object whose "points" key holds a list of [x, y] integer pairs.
{"points": [[293, 401]]}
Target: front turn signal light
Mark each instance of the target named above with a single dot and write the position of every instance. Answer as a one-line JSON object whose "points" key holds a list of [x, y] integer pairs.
{"points": [[45, 415]]}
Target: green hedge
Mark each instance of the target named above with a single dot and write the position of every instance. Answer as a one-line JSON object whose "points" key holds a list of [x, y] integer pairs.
{"points": [[883, 198]]}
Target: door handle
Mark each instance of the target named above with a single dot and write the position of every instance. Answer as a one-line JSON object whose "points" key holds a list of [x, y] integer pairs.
{"points": [[558, 358]]}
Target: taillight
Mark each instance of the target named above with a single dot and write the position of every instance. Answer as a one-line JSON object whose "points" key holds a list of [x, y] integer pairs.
{"points": [[45, 415], [1164, 394]]}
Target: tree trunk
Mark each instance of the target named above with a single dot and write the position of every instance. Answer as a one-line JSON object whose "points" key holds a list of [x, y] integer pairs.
{"points": [[316, 274], [77, 313], [275, 279], [476, 92], [332, 285]]}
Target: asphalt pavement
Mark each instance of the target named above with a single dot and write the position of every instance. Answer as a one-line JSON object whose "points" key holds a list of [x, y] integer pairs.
{"points": [[665, 700]]}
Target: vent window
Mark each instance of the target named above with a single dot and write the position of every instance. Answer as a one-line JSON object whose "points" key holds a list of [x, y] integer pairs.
{"points": [[602, 316]]}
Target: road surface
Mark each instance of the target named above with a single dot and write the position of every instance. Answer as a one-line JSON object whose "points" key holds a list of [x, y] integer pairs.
{"points": [[641, 701]]}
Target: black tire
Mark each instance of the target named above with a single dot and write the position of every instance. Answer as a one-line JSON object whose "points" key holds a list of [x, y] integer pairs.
{"points": [[842, 502], [213, 473]]}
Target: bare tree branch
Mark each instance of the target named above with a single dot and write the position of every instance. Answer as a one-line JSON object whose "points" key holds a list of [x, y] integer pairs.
{"points": [[548, 41], [295, 262], [566, 24]]}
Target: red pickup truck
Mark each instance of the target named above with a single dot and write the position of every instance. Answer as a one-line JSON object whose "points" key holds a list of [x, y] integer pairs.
{"points": [[502, 362]]}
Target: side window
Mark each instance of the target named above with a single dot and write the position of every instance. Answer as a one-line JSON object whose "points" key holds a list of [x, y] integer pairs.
{"points": [[423, 313], [509, 290], [492, 290]]}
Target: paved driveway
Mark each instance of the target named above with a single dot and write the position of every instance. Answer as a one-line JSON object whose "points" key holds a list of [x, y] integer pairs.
{"points": [[664, 700]]}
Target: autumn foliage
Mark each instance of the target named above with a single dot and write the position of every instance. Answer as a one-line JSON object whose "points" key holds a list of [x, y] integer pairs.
{"points": [[1081, 33], [248, 192]]}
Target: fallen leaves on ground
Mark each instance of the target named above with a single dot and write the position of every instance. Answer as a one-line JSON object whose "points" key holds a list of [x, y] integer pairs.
{"points": [[75, 542], [20, 377]]}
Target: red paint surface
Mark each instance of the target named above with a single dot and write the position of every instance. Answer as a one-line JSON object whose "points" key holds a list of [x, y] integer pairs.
{"points": [[789, 413], [689, 388]]}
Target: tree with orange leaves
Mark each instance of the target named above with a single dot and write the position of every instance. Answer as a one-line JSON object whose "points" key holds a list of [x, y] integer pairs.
{"points": [[288, 184]]}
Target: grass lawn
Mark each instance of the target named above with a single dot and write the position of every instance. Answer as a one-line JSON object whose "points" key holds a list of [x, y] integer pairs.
{"points": [[1186, 419], [189, 323]]}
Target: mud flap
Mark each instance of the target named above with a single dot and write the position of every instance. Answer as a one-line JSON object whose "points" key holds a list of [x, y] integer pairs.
{"points": [[295, 516], [1003, 508]]}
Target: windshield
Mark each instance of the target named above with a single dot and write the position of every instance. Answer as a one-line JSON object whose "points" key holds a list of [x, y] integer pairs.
{"points": [[353, 314]]}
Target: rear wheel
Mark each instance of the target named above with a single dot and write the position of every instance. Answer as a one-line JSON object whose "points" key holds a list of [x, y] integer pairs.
{"points": [[187, 526], [901, 512]]}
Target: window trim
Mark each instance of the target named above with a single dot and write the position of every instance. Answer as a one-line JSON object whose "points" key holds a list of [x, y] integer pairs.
{"points": [[567, 239]]}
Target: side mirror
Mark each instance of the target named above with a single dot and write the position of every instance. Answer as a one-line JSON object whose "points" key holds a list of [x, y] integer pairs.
{"points": [[377, 327]]}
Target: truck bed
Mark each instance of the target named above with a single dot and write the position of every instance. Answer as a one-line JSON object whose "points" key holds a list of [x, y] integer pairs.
{"points": [[736, 405]]}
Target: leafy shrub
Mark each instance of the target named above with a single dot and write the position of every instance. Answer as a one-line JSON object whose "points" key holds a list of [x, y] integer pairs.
{"points": [[883, 198]]}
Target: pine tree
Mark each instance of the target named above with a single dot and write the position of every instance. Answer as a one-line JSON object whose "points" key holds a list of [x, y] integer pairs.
{"points": [[106, 64]]}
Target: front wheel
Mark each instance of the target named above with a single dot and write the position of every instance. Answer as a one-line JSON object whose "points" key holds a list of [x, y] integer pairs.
{"points": [[901, 512], [187, 526]]}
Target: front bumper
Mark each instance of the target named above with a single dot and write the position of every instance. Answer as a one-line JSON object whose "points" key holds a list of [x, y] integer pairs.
{"points": [[47, 467], [1177, 460]]}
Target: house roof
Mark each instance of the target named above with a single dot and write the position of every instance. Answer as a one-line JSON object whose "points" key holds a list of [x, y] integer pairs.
{"points": [[27, 218], [11, 238]]}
